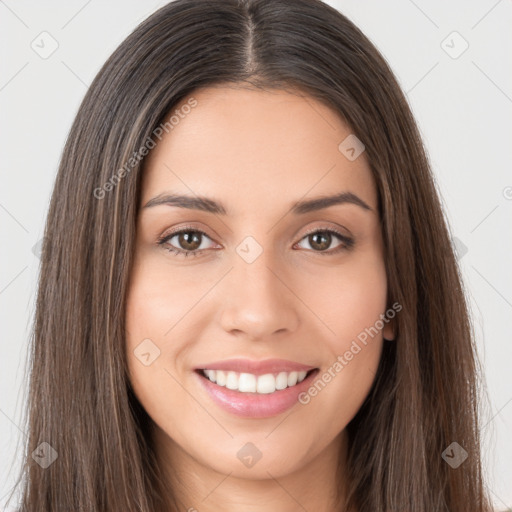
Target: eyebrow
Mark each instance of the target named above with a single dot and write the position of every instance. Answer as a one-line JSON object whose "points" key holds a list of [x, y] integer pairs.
{"points": [[211, 206]]}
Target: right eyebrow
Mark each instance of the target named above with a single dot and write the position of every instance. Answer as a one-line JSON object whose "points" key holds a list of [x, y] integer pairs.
{"points": [[192, 203]]}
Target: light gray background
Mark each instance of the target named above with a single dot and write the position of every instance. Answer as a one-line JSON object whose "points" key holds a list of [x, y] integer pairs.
{"points": [[463, 107]]}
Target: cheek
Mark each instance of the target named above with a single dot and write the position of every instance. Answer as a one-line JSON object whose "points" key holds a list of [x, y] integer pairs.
{"points": [[152, 310], [350, 304], [348, 301], [157, 300]]}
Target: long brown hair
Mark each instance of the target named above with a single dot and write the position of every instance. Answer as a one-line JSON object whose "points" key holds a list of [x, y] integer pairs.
{"points": [[425, 395]]}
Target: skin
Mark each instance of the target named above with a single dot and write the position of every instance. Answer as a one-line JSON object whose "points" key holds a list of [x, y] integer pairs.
{"points": [[256, 152]]}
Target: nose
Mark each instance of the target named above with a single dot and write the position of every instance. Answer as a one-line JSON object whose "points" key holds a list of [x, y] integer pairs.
{"points": [[258, 299]]}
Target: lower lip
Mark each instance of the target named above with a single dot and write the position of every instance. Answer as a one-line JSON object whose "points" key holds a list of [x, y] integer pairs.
{"points": [[255, 405]]}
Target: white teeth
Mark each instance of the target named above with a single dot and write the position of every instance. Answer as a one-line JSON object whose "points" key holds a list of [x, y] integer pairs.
{"points": [[266, 384], [292, 378], [232, 380], [219, 377], [282, 380], [249, 383]]}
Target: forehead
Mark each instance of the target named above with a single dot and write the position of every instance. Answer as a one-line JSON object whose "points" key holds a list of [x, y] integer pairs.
{"points": [[255, 148]]}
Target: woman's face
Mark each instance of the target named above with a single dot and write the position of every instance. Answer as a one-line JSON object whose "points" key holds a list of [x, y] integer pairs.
{"points": [[264, 279]]}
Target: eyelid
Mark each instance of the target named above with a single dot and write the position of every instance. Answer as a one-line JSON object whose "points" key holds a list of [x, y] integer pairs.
{"points": [[308, 232], [168, 235], [325, 228], [347, 240]]}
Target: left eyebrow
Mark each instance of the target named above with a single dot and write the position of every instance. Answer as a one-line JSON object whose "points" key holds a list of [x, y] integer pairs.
{"points": [[320, 203], [300, 207]]}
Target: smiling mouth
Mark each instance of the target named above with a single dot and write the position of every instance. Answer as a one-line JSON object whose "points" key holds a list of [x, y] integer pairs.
{"points": [[256, 384]]}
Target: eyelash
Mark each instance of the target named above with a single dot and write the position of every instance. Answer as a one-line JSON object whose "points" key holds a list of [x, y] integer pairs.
{"points": [[347, 243]]}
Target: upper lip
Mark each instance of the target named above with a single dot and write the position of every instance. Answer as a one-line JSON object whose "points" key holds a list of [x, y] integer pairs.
{"points": [[257, 367]]}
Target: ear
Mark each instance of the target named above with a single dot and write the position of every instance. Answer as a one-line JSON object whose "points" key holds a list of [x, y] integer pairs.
{"points": [[389, 330]]}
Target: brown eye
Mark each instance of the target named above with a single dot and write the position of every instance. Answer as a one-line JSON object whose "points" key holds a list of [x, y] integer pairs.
{"points": [[187, 242], [321, 239]]}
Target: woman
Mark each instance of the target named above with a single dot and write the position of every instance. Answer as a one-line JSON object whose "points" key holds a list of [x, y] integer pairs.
{"points": [[248, 296]]}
